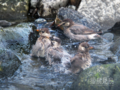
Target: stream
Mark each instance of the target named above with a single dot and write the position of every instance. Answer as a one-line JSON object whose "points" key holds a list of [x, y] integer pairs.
{"points": [[36, 74]]}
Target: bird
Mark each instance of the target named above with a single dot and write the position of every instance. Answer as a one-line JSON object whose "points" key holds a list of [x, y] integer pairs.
{"points": [[42, 43], [78, 32], [82, 60], [55, 53]]}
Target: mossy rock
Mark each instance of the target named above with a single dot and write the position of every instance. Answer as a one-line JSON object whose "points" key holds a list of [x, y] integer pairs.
{"points": [[101, 77], [14, 9]]}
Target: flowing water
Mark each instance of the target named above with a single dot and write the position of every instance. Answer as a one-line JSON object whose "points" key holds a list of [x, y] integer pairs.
{"points": [[36, 74]]}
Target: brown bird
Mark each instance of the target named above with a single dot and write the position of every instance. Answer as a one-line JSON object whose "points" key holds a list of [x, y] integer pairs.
{"points": [[42, 43], [82, 60], [78, 32], [56, 53]]}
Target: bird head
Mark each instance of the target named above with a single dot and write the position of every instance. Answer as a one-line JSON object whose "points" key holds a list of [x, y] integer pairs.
{"points": [[66, 23], [44, 32], [84, 47], [55, 41]]}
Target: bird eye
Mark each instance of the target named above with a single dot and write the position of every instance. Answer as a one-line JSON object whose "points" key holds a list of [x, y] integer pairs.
{"points": [[67, 24], [42, 31]]}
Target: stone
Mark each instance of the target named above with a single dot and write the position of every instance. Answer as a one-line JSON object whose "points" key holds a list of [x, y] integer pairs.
{"points": [[101, 77], [64, 13], [115, 48], [14, 10], [16, 38], [50, 7], [4, 23], [9, 63], [108, 36], [75, 3], [106, 13]]}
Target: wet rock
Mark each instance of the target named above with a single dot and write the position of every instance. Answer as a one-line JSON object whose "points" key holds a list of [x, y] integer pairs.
{"points": [[77, 17], [101, 54], [105, 77], [106, 13], [115, 48], [5, 23], [16, 38], [108, 36], [14, 9], [9, 63]]}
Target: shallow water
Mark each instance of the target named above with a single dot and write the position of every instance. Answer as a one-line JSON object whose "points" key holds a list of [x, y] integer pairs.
{"points": [[36, 74]]}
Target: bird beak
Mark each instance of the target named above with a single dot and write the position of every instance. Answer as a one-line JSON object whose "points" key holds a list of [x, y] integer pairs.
{"points": [[37, 30], [52, 24], [60, 24], [91, 47]]}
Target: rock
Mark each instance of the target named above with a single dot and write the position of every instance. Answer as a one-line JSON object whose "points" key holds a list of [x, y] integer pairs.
{"points": [[40, 21], [108, 36], [115, 48], [75, 3], [106, 13], [115, 29], [5, 23], [101, 77], [9, 63], [34, 3], [50, 7], [16, 38], [77, 17], [101, 54], [14, 10]]}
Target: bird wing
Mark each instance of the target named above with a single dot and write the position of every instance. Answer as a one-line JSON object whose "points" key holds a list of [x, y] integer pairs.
{"points": [[76, 57], [80, 29], [55, 52]]}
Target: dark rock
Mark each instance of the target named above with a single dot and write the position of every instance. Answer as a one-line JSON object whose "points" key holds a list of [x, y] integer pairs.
{"points": [[106, 13], [14, 10], [9, 63], [116, 28], [5, 23], [75, 3], [77, 17], [105, 77]]}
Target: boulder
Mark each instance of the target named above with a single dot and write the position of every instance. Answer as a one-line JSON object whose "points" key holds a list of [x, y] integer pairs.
{"points": [[115, 48], [9, 63], [16, 38], [101, 77], [106, 13], [14, 9], [51, 7]]}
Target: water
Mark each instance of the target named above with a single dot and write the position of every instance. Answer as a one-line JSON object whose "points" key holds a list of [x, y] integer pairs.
{"points": [[36, 74]]}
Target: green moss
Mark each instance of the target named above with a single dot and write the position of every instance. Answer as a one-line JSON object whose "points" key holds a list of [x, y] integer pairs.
{"points": [[118, 68], [107, 65], [97, 75]]}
